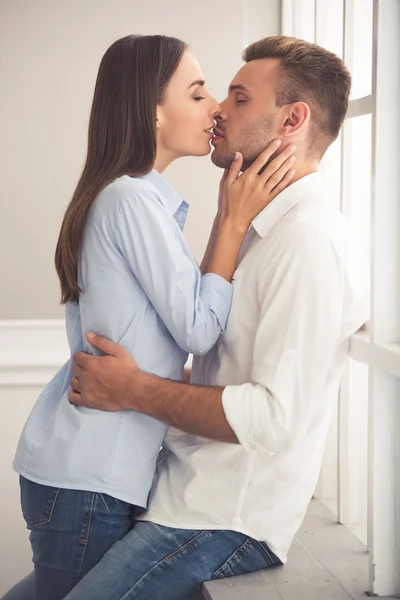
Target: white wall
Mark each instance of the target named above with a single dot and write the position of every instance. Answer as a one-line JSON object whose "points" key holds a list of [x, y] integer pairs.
{"points": [[49, 54], [30, 353]]}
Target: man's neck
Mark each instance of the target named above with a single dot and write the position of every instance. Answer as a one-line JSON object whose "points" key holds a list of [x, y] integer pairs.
{"points": [[304, 168]]}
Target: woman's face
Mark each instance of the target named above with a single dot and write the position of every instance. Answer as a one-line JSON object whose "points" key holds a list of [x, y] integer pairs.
{"points": [[186, 115]]}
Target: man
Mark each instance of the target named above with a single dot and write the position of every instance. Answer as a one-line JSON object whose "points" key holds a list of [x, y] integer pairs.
{"points": [[247, 439], [244, 458]]}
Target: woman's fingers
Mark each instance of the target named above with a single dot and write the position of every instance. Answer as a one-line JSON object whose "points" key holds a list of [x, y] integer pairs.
{"points": [[285, 160], [283, 183], [224, 177], [221, 189], [235, 169], [278, 175], [262, 159]]}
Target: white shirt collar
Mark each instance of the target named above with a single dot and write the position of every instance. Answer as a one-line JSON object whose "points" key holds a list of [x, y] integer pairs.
{"points": [[285, 201]]}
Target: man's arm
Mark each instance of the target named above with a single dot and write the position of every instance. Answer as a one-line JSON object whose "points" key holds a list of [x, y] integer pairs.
{"points": [[114, 382], [301, 294], [190, 408], [297, 335]]}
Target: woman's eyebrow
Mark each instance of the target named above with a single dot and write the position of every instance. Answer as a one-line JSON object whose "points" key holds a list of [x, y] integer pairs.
{"points": [[197, 82]]}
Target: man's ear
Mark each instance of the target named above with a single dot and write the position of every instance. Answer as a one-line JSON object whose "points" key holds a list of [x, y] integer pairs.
{"points": [[296, 118]]}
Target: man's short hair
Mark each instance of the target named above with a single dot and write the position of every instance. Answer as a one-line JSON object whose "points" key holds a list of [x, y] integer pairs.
{"points": [[310, 74]]}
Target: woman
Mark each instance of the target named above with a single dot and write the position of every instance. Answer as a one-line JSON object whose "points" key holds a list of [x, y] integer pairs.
{"points": [[126, 272]]}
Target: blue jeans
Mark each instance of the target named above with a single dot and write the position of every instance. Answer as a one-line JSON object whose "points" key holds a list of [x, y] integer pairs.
{"points": [[153, 562], [70, 532]]}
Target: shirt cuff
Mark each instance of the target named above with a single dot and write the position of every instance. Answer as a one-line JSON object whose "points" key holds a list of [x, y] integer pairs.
{"points": [[233, 401], [216, 293]]}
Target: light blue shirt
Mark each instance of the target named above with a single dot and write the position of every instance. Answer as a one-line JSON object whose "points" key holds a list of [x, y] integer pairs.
{"points": [[141, 287]]}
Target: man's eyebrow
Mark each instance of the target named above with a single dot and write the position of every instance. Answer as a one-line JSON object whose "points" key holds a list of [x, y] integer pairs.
{"points": [[200, 82], [238, 86]]}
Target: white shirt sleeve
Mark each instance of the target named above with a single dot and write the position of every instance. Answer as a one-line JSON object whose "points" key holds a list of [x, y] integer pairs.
{"points": [[298, 333]]}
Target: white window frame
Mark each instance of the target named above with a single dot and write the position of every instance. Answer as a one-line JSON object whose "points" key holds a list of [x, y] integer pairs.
{"points": [[379, 348]]}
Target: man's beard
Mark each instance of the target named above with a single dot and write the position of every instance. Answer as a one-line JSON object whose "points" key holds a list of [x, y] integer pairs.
{"points": [[250, 143], [225, 160]]}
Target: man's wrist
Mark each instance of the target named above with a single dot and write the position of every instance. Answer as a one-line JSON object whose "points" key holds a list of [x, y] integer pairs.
{"points": [[139, 390]]}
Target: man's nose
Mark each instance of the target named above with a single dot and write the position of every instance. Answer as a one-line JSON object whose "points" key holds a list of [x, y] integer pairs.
{"points": [[222, 112], [216, 112]]}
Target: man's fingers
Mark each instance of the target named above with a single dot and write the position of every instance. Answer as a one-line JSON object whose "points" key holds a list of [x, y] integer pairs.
{"points": [[77, 371], [75, 385], [285, 160], [81, 359], [234, 171], [74, 397], [104, 345]]}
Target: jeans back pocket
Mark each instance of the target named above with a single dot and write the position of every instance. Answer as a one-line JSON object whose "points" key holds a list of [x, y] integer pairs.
{"points": [[37, 502]]}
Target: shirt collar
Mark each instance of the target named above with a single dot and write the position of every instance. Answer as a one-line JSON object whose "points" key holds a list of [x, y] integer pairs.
{"points": [[168, 196], [285, 201]]}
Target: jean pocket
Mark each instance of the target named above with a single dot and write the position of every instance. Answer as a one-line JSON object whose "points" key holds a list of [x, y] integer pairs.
{"points": [[37, 502], [270, 557], [249, 557]]}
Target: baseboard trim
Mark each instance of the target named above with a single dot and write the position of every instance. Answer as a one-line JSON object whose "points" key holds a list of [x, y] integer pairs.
{"points": [[31, 351]]}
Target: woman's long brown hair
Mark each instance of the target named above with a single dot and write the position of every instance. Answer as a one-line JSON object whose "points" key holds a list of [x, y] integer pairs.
{"points": [[131, 82]]}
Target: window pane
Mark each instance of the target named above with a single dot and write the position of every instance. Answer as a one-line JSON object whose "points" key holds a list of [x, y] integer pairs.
{"points": [[329, 25], [359, 50], [304, 20], [330, 168], [358, 446], [357, 180]]}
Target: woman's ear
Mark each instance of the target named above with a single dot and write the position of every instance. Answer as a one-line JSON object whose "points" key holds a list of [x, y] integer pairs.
{"points": [[159, 116]]}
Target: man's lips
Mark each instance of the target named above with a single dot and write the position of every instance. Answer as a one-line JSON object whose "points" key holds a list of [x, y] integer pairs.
{"points": [[218, 136]]}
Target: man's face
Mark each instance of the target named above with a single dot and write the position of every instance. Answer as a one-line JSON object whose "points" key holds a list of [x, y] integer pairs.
{"points": [[249, 120]]}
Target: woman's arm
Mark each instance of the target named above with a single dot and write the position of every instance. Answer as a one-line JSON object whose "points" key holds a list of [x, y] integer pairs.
{"points": [[214, 231], [211, 244], [243, 198], [193, 308]]}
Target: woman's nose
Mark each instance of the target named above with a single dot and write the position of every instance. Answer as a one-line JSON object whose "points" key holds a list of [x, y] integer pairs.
{"points": [[215, 109]]}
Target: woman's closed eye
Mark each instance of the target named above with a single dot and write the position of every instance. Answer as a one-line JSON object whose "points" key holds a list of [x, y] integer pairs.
{"points": [[198, 94]]}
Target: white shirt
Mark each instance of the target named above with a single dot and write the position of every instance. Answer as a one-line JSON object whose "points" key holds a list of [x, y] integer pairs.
{"points": [[300, 292]]}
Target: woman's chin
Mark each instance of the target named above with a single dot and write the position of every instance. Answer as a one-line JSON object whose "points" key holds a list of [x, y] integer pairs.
{"points": [[204, 151]]}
